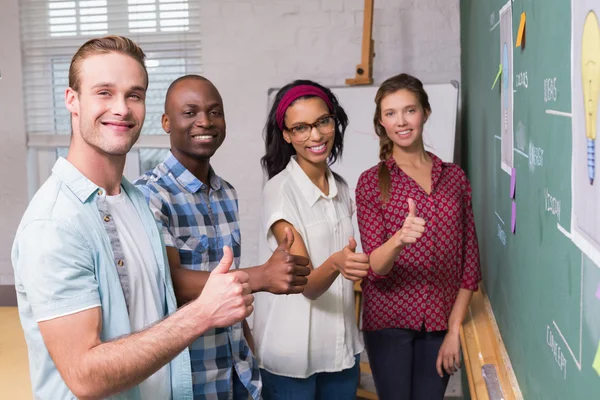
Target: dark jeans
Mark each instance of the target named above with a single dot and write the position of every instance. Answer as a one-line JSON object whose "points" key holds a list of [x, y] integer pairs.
{"points": [[340, 385], [403, 364]]}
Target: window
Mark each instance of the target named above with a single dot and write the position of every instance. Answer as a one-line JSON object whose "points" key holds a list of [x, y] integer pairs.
{"points": [[51, 32], [72, 18]]}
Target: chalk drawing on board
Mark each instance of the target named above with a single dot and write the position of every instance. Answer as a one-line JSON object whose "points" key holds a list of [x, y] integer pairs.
{"points": [[361, 144], [585, 84], [576, 358], [506, 89]]}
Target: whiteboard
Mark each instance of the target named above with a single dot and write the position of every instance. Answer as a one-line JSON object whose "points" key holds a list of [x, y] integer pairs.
{"points": [[361, 144]]}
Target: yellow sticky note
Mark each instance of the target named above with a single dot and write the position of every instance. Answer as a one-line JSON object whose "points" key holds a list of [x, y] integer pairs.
{"points": [[596, 363], [521, 30]]}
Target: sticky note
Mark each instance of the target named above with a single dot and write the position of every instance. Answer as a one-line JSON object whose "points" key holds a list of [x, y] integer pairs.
{"points": [[596, 363], [513, 217], [497, 76], [513, 182], [598, 292], [521, 30]]}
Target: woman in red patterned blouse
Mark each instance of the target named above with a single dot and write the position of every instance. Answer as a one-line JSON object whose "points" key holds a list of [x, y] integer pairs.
{"points": [[416, 223]]}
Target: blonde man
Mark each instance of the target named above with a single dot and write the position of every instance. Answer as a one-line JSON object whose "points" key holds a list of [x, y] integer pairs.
{"points": [[92, 279]]}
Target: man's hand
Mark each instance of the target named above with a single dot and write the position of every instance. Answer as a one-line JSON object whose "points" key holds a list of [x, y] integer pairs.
{"points": [[226, 298], [412, 229], [352, 265], [285, 273]]}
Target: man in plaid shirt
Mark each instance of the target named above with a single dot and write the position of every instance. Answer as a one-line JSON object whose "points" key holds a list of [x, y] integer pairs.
{"points": [[198, 214]]}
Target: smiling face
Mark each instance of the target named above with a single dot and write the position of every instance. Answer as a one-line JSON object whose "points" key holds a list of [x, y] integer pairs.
{"points": [[317, 147], [403, 118], [195, 119], [109, 108]]}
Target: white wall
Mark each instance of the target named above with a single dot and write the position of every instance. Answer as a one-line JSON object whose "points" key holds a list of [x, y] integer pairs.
{"points": [[13, 153], [249, 47]]}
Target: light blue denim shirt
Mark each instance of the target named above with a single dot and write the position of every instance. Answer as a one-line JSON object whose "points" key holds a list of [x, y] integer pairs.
{"points": [[64, 263]]}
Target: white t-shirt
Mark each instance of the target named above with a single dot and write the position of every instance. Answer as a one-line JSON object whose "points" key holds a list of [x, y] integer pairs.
{"points": [[295, 336], [146, 301]]}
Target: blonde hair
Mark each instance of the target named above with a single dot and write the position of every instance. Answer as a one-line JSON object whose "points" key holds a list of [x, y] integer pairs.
{"points": [[386, 146], [104, 45]]}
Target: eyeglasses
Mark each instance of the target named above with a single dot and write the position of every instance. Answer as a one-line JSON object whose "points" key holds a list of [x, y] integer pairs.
{"points": [[325, 125]]}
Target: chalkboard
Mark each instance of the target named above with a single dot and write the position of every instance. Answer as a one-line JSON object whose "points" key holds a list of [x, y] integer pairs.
{"points": [[361, 144], [543, 278]]}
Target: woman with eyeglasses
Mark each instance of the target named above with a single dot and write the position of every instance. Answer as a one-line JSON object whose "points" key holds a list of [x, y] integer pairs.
{"points": [[308, 344]]}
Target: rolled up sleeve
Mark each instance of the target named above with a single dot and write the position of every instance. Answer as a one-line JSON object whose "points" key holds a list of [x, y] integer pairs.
{"points": [[56, 268]]}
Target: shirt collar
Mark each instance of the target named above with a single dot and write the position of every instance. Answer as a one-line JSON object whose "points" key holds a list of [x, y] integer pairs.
{"points": [[310, 191], [436, 171], [187, 179], [81, 186]]}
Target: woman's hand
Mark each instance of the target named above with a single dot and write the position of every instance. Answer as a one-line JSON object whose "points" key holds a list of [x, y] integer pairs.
{"points": [[449, 354], [412, 228], [353, 266]]}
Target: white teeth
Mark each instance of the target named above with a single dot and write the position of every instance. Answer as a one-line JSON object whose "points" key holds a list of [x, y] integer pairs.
{"points": [[403, 132], [202, 137], [318, 148]]}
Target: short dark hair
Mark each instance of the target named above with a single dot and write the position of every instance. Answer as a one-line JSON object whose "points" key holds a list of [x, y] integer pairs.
{"points": [[181, 79]]}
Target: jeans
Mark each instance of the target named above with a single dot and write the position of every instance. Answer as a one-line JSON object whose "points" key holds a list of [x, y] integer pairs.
{"points": [[340, 385], [403, 364]]}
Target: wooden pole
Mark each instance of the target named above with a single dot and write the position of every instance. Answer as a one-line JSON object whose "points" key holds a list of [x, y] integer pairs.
{"points": [[364, 70]]}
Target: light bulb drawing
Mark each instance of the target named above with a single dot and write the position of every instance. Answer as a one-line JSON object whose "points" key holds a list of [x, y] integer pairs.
{"points": [[590, 74]]}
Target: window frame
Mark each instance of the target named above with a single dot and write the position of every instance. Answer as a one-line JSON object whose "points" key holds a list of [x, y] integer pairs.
{"points": [[42, 146]]}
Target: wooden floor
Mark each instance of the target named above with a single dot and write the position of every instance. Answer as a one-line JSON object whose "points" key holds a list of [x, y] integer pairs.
{"points": [[14, 368]]}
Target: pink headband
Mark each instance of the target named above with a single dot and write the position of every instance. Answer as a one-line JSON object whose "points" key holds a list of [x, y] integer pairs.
{"points": [[295, 93]]}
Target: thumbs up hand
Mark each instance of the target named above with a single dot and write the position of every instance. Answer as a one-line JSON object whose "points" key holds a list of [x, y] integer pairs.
{"points": [[226, 297], [352, 265], [351, 244], [412, 229], [285, 273]]}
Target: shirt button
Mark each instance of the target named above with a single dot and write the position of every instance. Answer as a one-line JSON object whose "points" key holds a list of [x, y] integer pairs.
{"points": [[100, 192], [120, 263], [106, 218]]}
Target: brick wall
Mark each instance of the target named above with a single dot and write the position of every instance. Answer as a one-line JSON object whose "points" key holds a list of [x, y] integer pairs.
{"points": [[251, 46]]}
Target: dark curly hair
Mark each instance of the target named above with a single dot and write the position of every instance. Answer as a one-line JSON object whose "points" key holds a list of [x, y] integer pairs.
{"points": [[278, 152]]}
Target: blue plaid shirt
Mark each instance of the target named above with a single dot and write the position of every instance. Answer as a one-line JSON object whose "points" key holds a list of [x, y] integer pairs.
{"points": [[199, 220]]}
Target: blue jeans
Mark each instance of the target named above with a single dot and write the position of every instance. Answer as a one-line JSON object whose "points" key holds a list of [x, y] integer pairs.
{"points": [[340, 385]]}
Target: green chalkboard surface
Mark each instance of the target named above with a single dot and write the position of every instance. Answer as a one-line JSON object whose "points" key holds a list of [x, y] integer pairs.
{"points": [[542, 279]]}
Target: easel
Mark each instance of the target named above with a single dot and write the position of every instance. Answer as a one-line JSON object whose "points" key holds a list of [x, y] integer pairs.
{"points": [[364, 70]]}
